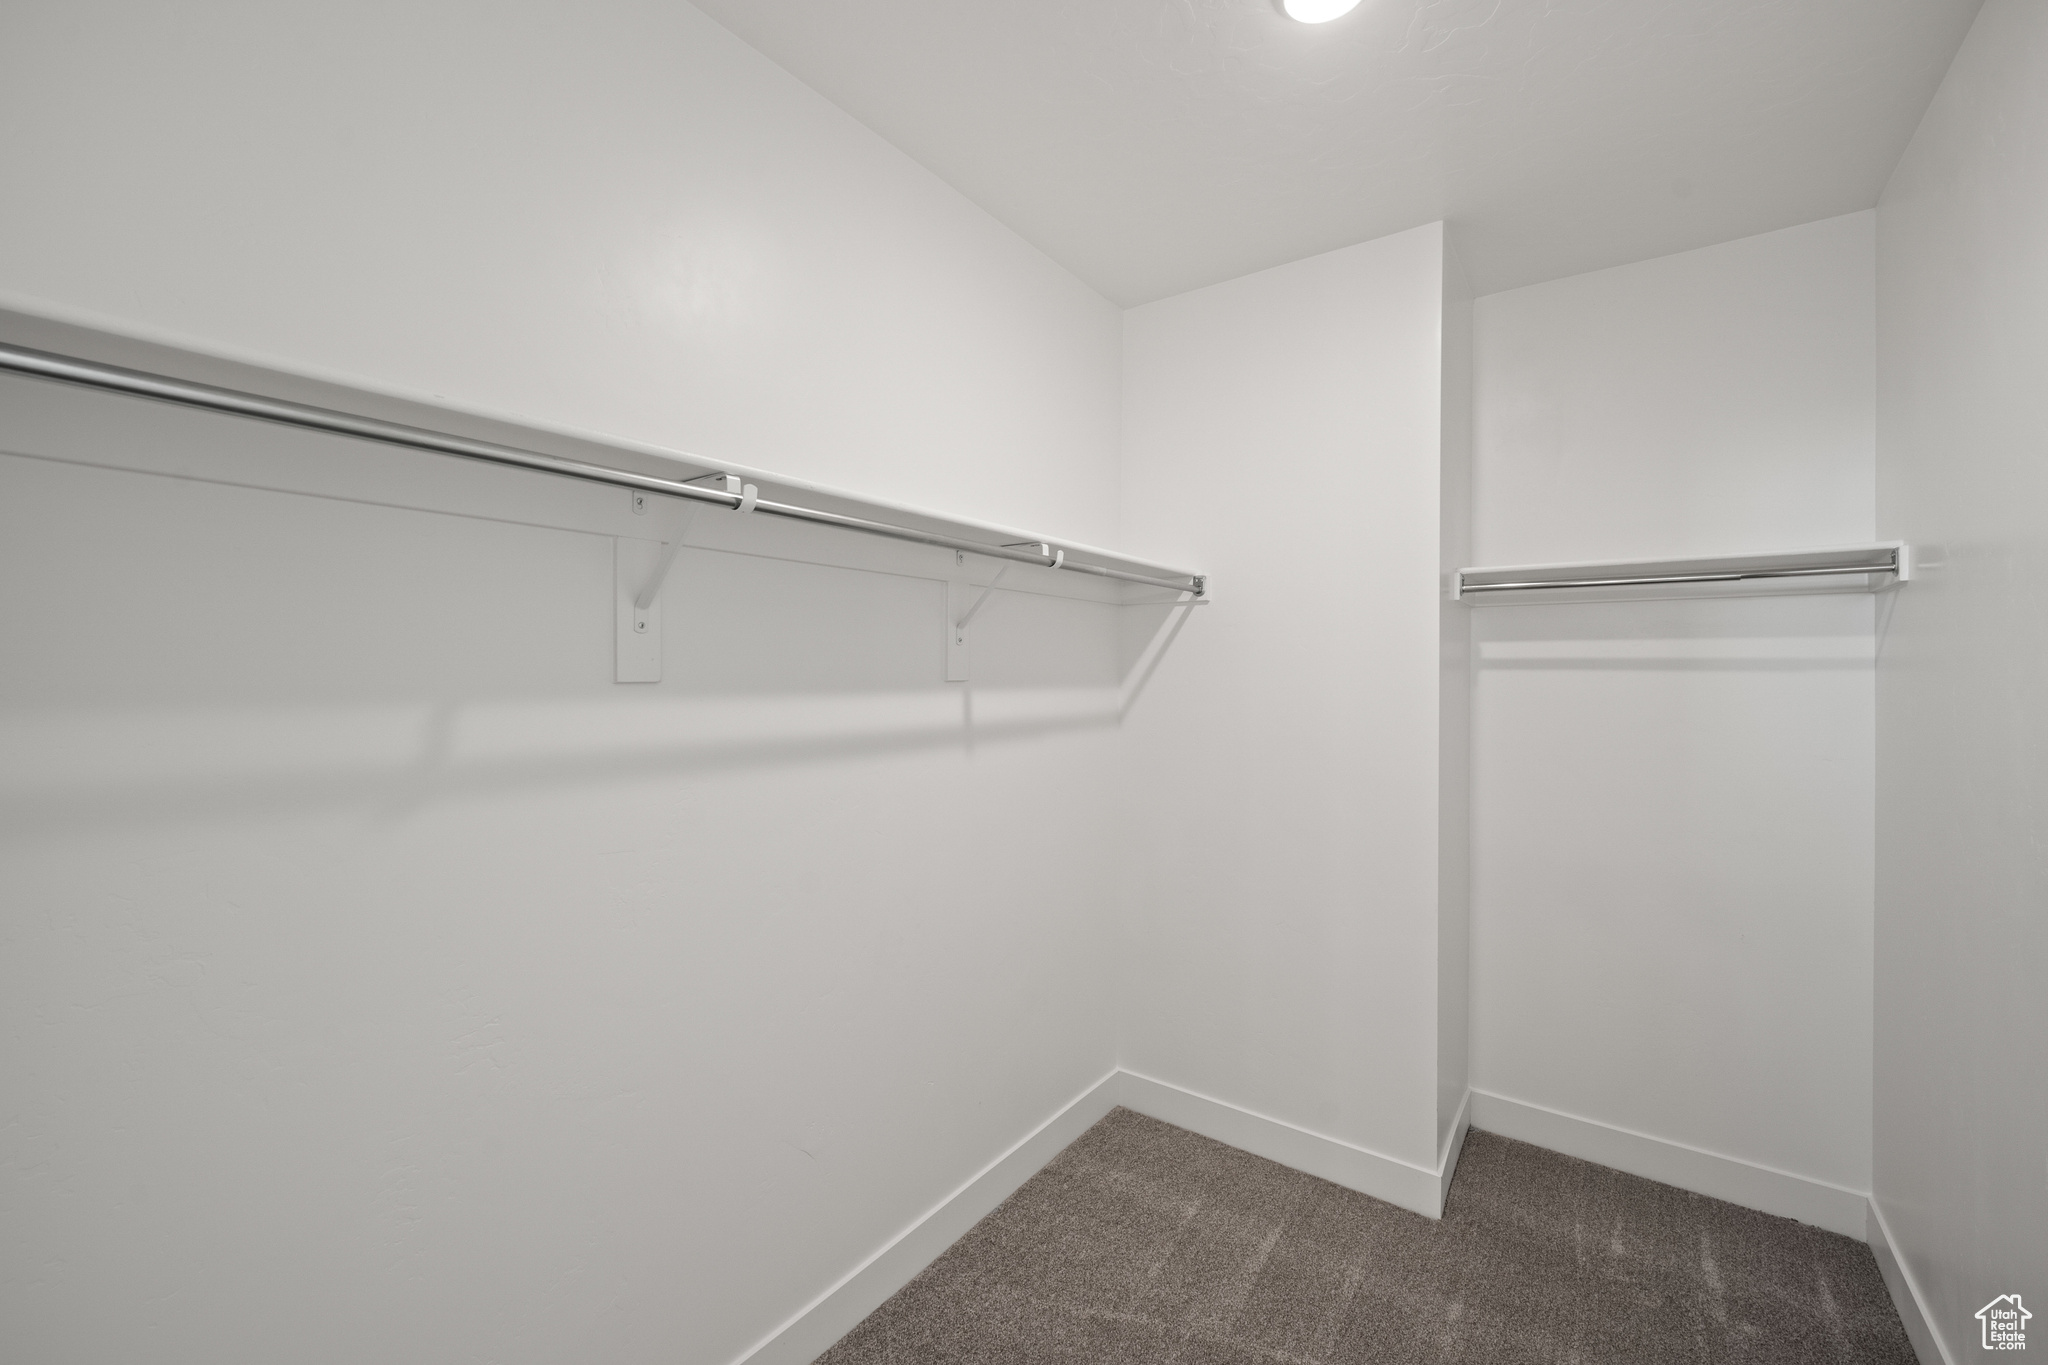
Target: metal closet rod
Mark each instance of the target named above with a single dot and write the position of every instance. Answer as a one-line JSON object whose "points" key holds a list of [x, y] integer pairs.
{"points": [[139, 383], [1729, 577]]}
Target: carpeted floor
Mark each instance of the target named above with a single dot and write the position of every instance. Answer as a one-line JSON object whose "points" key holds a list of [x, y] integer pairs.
{"points": [[1145, 1243]]}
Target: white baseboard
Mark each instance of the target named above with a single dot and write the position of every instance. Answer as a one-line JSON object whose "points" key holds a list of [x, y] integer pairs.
{"points": [[804, 1337], [1341, 1163], [1763, 1188], [833, 1314], [1912, 1305]]}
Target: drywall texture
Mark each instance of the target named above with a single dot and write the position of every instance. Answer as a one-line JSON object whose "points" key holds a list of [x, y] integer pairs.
{"points": [[382, 981], [1962, 740], [612, 216], [1281, 875], [1672, 800], [1156, 146]]}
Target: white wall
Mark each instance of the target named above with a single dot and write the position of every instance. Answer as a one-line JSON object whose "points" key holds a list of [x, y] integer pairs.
{"points": [[1962, 744], [1672, 808], [1281, 891], [381, 980], [614, 217]]}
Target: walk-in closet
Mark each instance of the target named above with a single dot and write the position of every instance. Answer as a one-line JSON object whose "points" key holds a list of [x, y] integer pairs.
{"points": [[1157, 682]]}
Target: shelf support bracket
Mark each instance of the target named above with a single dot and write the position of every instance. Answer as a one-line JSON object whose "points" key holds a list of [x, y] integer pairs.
{"points": [[639, 569], [959, 612], [642, 566], [961, 624]]}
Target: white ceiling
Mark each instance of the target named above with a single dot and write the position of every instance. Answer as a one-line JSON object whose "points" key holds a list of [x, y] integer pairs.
{"points": [[1154, 146]]}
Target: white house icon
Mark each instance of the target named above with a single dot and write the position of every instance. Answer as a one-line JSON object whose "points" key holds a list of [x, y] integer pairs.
{"points": [[2005, 1320]]}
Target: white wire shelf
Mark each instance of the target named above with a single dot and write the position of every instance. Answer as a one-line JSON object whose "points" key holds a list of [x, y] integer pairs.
{"points": [[726, 486]]}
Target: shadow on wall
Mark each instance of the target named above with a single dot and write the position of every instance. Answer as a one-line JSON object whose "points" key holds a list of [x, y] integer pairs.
{"points": [[770, 664], [1824, 632]]}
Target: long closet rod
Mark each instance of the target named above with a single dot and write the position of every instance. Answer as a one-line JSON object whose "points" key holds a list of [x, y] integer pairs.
{"points": [[1679, 578], [1043, 553], [1883, 565]]}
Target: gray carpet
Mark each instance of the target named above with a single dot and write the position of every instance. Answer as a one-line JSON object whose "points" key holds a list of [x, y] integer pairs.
{"points": [[1145, 1243]]}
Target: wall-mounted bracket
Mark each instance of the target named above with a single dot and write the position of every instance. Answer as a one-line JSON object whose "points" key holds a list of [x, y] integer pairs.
{"points": [[639, 568], [1039, 547], [968, 615], [960, 610], [747, 493]]}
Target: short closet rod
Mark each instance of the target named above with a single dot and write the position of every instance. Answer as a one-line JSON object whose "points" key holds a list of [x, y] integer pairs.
{"points": [[139, 383], [1679, 578]]}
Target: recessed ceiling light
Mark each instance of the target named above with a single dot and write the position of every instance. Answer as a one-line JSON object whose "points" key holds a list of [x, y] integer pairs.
{"points": [[1317, 11]]}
